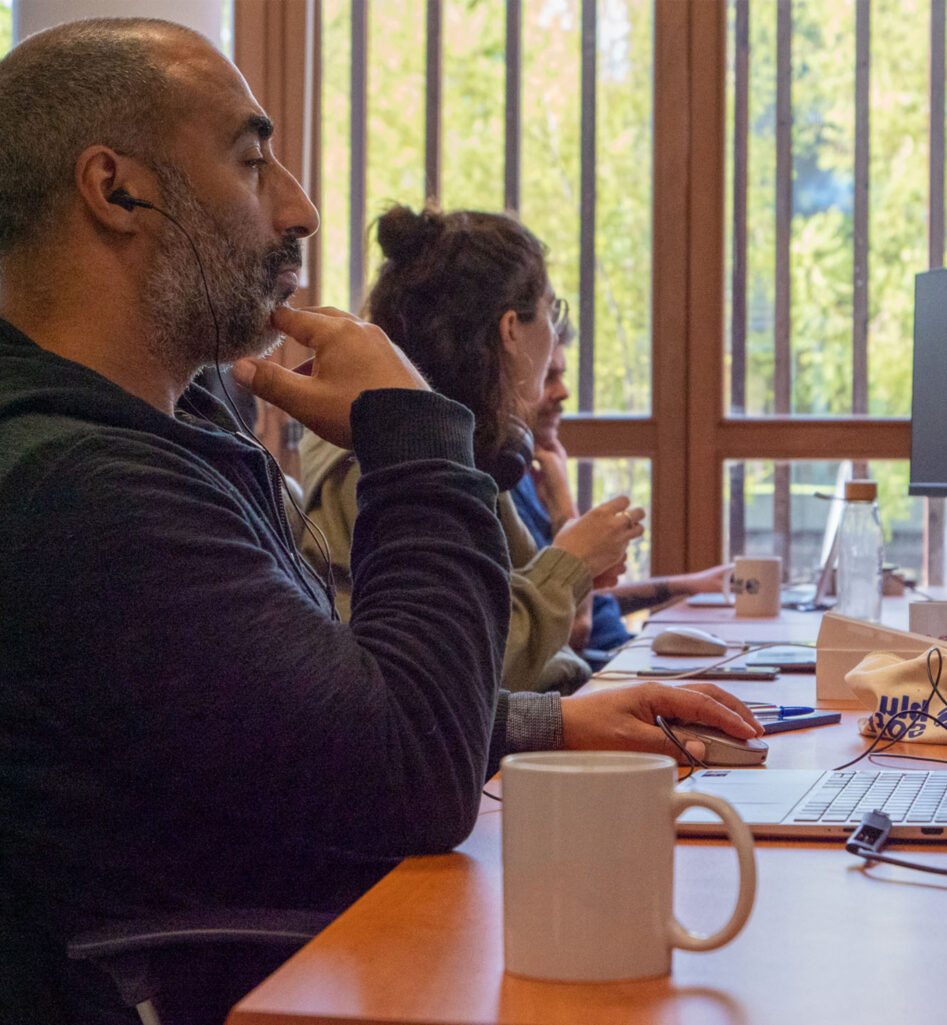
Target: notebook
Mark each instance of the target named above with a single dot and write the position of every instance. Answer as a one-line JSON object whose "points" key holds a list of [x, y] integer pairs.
{"points": [[811, 805]]}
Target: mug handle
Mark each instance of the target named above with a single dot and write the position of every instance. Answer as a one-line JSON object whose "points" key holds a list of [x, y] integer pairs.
{"points": [[742, 839]]}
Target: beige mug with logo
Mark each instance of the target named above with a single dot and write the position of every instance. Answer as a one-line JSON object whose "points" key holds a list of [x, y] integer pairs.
{"points": [[755, 585], [588, 865]]}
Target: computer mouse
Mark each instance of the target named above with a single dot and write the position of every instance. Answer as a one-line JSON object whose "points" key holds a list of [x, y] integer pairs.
{"points": [[720, 747], [688, 640]]}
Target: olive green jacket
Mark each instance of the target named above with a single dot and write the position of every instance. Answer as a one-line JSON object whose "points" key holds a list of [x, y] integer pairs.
{"points": [[547, 585]]}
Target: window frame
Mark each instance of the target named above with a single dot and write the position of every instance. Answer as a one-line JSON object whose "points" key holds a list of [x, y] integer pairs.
{"points": [[688, 437]]}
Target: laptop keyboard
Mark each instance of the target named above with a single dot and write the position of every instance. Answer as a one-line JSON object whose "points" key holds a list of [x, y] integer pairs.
{"points": [[903, 796]]}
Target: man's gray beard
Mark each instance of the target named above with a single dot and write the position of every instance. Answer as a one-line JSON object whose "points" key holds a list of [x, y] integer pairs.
{"points": [[182, 332]]}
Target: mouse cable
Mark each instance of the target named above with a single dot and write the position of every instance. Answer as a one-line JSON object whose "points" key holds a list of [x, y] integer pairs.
{"points": [[893, 732], [692, 760], [870, 839], [690, 674]]}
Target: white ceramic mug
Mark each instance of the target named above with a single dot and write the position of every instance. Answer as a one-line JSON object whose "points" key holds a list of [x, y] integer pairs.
{"points": [[755, 585], [928, 618], [588, 865]]}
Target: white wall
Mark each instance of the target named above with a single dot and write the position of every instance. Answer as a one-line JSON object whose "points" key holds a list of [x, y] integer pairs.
{"points": [[204, 16]]}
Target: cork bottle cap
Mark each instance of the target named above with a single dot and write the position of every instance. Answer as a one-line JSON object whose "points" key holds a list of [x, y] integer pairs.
{"points": [[860, 491]]}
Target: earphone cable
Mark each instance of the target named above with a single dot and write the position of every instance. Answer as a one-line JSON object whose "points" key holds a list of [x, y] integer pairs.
{"points": [[311, 527]]}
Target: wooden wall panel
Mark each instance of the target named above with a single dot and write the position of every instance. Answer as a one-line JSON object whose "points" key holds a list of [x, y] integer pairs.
{"points": [[269, 49]]}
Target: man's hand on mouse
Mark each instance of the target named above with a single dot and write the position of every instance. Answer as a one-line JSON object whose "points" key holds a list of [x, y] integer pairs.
{"points": [[623, 718]]}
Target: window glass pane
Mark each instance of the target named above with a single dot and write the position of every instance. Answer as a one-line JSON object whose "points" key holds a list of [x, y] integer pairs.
{"points": [[812, 519], [226, 28], [6, 25], [623, 206], [821, 253], [336, 130], [900, 105], [822, 234], [396, 97], [632, 477], [549, 160], [473, 113]]}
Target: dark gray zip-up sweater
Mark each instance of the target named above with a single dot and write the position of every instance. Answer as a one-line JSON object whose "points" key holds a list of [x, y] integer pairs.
{"points": [[182, 723]]}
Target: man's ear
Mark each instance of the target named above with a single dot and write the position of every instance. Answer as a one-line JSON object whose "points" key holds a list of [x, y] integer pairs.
{"points": [[100, 172]]}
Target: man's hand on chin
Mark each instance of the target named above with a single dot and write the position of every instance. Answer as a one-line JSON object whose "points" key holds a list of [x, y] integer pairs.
{"points": [[351, 356]]}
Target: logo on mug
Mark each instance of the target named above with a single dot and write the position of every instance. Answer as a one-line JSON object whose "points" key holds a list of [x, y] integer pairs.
{"points": [[750, 586]]}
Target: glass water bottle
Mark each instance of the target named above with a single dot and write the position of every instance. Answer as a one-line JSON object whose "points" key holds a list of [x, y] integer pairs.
{"points": [[860, 553]]}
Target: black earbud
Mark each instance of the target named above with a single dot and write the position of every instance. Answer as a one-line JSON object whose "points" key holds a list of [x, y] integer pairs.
{"points": [[127, 202]]}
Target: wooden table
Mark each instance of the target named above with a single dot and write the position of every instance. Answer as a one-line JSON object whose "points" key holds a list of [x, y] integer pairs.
{"points": [[827, 941]]}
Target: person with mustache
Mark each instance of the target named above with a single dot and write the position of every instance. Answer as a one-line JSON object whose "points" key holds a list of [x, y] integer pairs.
{"points": [[545, 504], [184, 722]]}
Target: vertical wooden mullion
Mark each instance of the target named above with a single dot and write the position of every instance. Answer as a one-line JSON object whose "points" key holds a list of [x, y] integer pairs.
{"points": [[782, 352], [934, 532], [358, 169], [702, 374], [860, 209], [670, 484], [587, 236], [741, 106], [782, 383], [432, 101], [860, 218], [249, 19], [514, 73]]}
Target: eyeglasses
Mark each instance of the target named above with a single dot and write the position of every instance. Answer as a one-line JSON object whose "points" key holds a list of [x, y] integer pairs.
{"points": [[559, 312]]}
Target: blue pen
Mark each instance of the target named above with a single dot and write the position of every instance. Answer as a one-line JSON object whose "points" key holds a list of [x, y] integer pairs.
{"points": [[779, 711]]}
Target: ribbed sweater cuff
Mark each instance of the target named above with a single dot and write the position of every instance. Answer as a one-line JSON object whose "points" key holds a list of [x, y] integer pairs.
{"points": [[525, 722], [555, 563], [399, 425]]}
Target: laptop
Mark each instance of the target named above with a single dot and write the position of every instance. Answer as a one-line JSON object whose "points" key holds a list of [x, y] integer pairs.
{"points": [[803, 804]]}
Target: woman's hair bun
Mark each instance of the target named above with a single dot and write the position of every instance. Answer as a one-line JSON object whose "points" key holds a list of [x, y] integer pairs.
{"points": [[403, 234]]}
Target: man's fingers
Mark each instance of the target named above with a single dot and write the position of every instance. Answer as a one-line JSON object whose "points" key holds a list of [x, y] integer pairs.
{"points": [[695, 704], [724, 697], [290, 391], [309, 327], [325, 311], [615, 505]]}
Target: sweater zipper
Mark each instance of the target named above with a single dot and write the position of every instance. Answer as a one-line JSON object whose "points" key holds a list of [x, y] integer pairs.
{"points": [[305, 573]]}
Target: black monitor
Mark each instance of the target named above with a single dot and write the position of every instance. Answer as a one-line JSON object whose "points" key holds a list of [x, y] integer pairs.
{"points": [[929, 402]]}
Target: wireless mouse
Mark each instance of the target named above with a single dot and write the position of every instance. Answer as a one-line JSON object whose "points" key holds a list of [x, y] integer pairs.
{"points": [[720, 747], [688, 640]]}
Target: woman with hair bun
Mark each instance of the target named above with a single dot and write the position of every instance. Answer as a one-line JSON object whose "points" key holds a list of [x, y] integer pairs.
{"points": [[467, 297]]}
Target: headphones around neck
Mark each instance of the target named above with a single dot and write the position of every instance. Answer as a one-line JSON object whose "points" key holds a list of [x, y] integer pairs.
{"points": [[508, 466]]}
